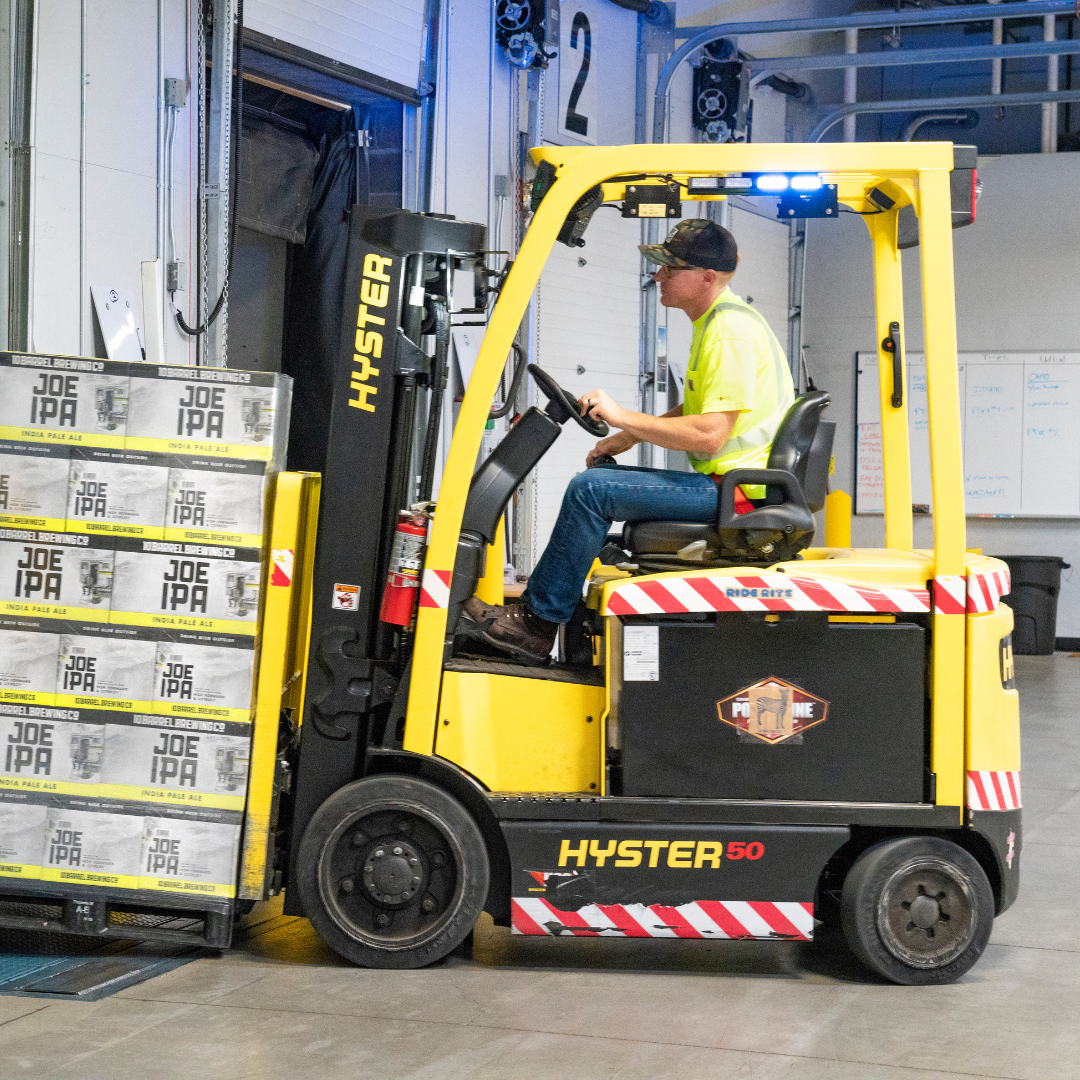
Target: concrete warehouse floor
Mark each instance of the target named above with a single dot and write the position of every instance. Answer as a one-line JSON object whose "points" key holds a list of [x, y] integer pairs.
{"points": [[281, 1005]]}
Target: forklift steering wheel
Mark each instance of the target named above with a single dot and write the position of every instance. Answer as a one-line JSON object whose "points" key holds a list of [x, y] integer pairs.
{"points": [[560, 397]]}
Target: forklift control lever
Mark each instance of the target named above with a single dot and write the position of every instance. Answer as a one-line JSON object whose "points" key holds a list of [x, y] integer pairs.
{"points": [[562, 405]]}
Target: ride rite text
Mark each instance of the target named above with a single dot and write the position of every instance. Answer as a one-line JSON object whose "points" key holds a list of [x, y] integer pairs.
{"points": [[202, 411]]}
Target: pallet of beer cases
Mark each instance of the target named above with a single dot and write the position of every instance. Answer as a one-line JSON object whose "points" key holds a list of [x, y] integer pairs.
{"points": [[133, 505]]}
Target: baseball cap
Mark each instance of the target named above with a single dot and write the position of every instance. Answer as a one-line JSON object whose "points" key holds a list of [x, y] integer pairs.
{"points": [[696, 242]]}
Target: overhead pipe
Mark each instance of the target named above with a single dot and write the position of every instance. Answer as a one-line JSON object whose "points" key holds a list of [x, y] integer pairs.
{"points": [[851, 80], [996, 65], [974, 101], [967, 117], [1049, 109], [902, 58], [856, 20]]}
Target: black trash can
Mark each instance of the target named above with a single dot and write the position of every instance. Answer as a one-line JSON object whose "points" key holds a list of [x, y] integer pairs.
{"points": [[1036, 582]]}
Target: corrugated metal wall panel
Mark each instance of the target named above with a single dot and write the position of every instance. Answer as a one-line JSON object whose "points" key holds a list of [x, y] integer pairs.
{"points": [[119, 222], [384, 37]]}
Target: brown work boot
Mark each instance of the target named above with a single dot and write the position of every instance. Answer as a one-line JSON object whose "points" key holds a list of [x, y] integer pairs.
{"points": [[513, 629]]}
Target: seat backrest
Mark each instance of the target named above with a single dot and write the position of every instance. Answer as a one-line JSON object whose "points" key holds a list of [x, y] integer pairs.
{"points": [[815, 478], [795, 436]]}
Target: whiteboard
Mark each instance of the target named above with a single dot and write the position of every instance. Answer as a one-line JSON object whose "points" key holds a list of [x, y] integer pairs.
{"points": [[1020, 434]]}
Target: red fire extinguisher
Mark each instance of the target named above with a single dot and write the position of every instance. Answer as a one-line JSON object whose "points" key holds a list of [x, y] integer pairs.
{"points": [[403, 576]]}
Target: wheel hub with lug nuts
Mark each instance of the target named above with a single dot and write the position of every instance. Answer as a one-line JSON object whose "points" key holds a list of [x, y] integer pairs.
{"points": [[393, 872], [926, 916]]}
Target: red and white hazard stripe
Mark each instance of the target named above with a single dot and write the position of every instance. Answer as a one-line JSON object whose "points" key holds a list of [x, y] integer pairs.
{"points": [[950, 594], [985, 590], [712, 919], [435, 588], [988, 790], [759, 592], [282, 571]]}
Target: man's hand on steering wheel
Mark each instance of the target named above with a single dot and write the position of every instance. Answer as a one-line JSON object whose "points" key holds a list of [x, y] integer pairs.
{"points": [[598, 406]]}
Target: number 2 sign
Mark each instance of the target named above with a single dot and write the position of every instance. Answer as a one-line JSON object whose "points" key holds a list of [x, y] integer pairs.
{"points": [[577, 74]]}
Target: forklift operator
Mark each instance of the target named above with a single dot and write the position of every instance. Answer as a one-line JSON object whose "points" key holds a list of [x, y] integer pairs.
{"points": [[738, 388]]}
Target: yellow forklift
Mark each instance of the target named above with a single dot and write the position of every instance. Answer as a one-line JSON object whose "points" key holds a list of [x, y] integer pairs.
{"points": [[743, 733]]}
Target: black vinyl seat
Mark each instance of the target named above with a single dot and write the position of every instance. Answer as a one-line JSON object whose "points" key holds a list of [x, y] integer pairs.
{"points": [[779, 526]]}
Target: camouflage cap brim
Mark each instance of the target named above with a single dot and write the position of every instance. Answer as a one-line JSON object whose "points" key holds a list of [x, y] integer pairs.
{"points": [[655, 253]]}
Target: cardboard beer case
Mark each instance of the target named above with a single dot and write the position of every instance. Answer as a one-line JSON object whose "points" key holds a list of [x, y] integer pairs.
{"points": [[171, 585], [191, 856], [28, 662], [107, 668], [69, 400], [221, 412], [219, 500], [22, 832], [128, 845], [86, 843], [117, 492], [204, 679], [55, 575], [157, 759], [141, 757], [48, 749], [33, 485]]}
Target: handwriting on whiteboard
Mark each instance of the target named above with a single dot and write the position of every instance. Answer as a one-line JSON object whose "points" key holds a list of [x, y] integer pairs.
{"points": [[1021, 449]]}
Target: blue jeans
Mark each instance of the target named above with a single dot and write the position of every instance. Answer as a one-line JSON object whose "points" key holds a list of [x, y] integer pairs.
{"points": [[594, 499]]}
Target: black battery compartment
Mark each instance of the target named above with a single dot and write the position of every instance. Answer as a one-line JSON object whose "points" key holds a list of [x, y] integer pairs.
{"points": [[870, 747]]}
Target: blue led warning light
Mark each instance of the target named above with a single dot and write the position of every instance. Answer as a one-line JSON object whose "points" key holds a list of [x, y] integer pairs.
{"points": [[756, 183], [772, 182]]}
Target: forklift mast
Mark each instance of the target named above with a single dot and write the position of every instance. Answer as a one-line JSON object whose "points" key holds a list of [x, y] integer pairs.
{"points": [[398, 281]]}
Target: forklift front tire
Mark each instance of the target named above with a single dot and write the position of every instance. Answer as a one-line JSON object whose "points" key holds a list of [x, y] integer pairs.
{"points": [[917, 910], [392, 872]]}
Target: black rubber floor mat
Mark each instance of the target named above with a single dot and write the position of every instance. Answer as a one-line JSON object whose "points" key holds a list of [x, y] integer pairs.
{"points": [[50, 965]]}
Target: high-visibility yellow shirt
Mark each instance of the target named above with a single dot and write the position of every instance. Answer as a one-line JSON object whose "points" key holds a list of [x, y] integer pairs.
{"points": [[737, 365]]}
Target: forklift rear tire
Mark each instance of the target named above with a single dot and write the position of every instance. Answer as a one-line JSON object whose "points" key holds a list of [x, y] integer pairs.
{"points": [[917, 910], [393, 872]]}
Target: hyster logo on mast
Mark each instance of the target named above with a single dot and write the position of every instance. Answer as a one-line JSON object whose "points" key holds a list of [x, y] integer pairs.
{"points": [[772, 710], [369, 343]]}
